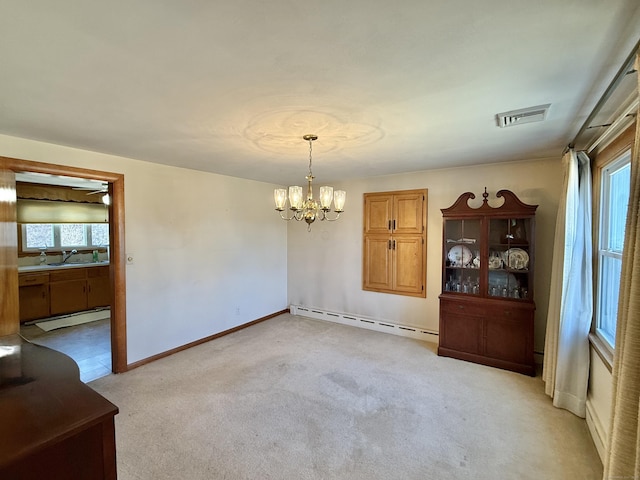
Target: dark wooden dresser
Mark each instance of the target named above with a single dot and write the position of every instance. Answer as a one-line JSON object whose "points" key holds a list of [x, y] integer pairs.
{"points": [[52, 426]]}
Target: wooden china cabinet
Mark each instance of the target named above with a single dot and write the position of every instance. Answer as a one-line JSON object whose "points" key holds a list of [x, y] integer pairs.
{"points": [[486, 305]]}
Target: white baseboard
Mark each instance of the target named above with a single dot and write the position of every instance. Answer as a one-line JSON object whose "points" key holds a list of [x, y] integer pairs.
{"points": [[366, 322], [596, 429]]}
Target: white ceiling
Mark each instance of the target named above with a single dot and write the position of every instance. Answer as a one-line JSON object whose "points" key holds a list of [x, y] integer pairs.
{"points": [[231, 86]]}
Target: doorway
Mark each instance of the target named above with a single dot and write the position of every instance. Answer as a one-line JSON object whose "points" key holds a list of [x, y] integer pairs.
{"points": [[9, 321]]}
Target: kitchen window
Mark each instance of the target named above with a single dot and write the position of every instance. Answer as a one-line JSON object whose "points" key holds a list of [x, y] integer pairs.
{"points": [[58, 236]]}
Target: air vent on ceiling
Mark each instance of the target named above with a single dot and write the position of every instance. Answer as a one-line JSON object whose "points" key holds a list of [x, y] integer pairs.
{"points": [[524, 115]]}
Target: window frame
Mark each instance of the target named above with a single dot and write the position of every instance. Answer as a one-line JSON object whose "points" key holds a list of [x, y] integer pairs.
{"points": [[57, 247], [604, 249], [603, 159]]}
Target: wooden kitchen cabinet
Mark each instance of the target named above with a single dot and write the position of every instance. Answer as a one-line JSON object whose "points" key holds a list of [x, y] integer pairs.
{"points": [[486, 305], [68, 291], [394, 242], [33, 296], [63, 290], [98, 287]]}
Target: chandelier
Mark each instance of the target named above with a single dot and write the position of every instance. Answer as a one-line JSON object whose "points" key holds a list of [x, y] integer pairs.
{"points": [[309, 209]]}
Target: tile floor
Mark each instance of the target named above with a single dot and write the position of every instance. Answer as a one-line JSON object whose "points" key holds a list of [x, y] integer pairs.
{"points": [[88, 344]]}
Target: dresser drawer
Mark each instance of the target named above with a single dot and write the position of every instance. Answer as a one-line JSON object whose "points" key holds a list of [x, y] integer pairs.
{"points": [[462, 308], [509, 312], [71, 274], [32, 279], [95, 272]]}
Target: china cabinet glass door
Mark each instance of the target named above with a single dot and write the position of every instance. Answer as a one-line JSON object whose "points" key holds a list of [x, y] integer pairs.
{"points": [[509, 258], [462, 261]]}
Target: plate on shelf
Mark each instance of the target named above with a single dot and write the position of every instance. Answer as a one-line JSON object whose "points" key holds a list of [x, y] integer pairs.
{"points": [[459, 256], [516, 258], [495, 262]]}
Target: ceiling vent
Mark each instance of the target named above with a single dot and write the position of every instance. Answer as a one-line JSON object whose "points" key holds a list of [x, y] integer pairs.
{"points": [[524, 115]]}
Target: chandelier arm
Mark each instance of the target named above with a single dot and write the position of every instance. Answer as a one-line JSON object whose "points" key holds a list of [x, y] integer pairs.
{"points": [[297, 215], [284, 217], [325, 217]]}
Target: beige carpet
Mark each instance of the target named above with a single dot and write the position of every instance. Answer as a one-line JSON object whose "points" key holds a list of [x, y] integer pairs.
{"points": [[295, 398]]}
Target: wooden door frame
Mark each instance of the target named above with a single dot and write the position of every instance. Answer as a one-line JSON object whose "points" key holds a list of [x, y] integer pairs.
{"points": [[10, 321]]}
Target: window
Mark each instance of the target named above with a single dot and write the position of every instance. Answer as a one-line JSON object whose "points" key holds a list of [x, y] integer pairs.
{"points": [[614, 200], [36, 236]]}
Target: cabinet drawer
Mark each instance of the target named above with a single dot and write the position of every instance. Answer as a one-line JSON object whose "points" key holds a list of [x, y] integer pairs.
{"points": [[509, 312], [72, 274], [94, 272], [462, 308], [33, 279]]}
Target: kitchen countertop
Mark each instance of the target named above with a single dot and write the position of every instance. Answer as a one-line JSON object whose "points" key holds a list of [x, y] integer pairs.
{"points": [[66, 266]]}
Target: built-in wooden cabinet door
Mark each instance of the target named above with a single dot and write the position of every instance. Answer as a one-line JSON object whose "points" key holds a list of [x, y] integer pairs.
{"points": [[377, 213], [33, 296], [408, 213], [98, 292], [68, 296], [34, 301], [394, 250], [377, 270], [408, 259]]}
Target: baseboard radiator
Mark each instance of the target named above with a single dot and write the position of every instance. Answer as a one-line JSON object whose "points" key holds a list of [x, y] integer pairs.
{"points": [[596, 429], [365, 322]]}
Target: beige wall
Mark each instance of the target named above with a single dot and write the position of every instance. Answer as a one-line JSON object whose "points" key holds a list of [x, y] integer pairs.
{"points": [[325, 265], [208, 251]]}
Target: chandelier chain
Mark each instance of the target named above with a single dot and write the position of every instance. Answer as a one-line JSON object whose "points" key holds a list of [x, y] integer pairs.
{"points": [[310, 151]]}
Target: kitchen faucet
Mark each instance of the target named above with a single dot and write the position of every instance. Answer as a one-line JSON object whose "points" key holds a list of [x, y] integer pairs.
{"points": [[66, 257]]}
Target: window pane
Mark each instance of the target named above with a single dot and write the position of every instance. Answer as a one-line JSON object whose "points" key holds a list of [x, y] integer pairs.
{"points": [[100, 234], [618, 201], [39, 235], [613, 208], [610, 269], [72, 235]]}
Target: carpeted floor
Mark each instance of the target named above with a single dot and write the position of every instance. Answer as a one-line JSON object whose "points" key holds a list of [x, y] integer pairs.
{"points": [[295, 398]]}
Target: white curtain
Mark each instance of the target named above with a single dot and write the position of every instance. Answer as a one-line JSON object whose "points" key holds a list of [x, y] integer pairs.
{"points": [[566, 362]]}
